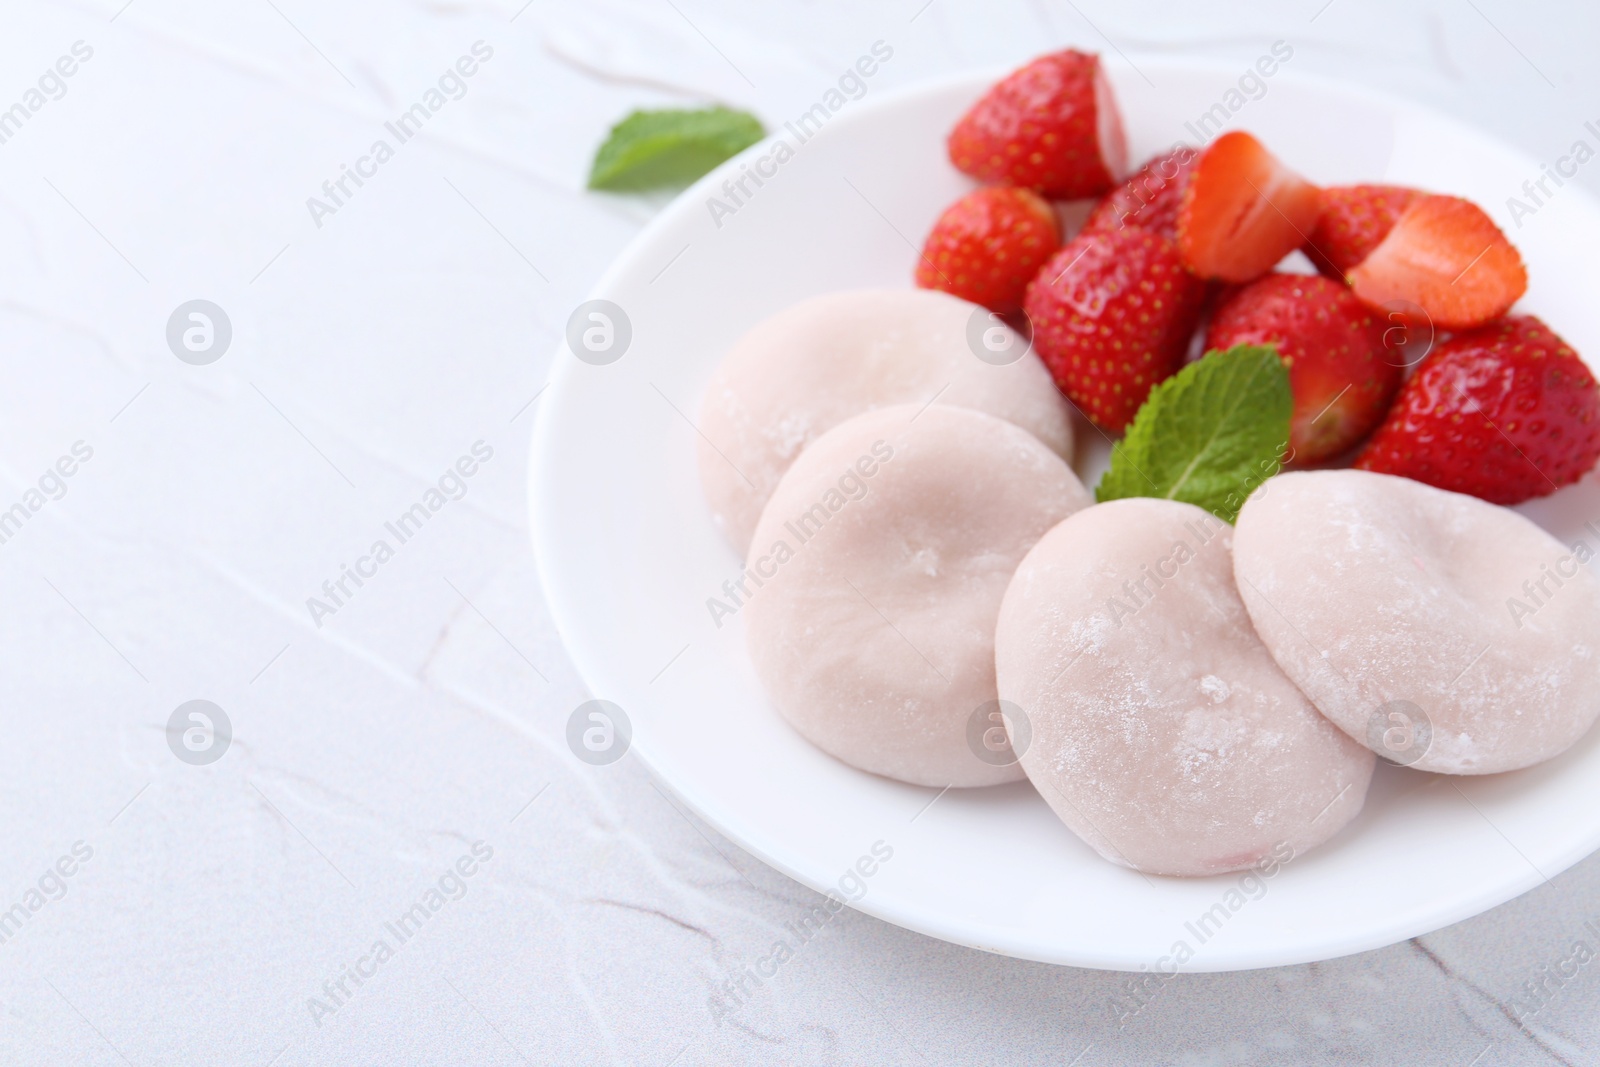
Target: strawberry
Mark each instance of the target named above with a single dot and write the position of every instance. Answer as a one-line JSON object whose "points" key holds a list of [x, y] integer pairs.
{"points": [[1112, 314], [1447, 257], [1353, 219], [988, 245], [1342, 375], [1506, 412], [1242, 211], [1051, 126], [1151, 198]]}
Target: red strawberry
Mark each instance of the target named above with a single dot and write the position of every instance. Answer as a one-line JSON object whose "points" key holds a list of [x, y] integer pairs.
{"points": [[1340, 372], [1507, 412], [988, 245], [1051, 126], [1151, 198], [1112, 314], [1242, 211], [1353, 220], [1447, 257]]}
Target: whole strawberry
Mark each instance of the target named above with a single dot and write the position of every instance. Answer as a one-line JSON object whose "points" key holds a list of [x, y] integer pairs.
{"points": [[988, 245], [1242, 210], [1507, 412], [1050, 126], [1342, 375], [1150, 199], [1112, 315], [1354, 219]]}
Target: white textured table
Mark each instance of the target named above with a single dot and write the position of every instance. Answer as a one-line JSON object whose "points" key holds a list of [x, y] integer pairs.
{"points": [[398, 773]]}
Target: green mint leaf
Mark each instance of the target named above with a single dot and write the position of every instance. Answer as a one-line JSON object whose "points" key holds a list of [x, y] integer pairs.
{"points": [[651, 149], [1209, 434]]}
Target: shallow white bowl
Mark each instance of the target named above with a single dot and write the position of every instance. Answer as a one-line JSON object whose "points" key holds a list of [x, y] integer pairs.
{"points": [[629, 557]]}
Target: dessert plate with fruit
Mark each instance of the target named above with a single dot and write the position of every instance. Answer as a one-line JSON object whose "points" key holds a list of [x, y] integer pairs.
{"points": [[1134, 520]]}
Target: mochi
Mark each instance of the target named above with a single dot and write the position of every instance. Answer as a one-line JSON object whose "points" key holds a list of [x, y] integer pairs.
{"points": [[1443, 632], [1162, 732], [803, 371], [877, 570]]}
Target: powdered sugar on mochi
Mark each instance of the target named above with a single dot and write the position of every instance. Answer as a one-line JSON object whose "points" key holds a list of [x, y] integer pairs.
{"points": [[882, 558], [1164, 734], [803, 371], [1371, 589]]}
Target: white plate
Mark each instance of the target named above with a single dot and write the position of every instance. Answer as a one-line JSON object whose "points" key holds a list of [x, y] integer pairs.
{"points": [[629, 557]]}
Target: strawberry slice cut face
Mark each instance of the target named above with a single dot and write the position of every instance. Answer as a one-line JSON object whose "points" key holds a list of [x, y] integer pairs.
{"points": [[1446, 256], [1243, 211]]}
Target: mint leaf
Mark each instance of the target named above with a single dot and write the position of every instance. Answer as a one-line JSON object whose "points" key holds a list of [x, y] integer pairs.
{"points": [[650, 149], [1209, 434]]}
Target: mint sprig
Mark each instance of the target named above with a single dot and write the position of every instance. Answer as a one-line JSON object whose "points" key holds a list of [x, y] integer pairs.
{"points": [[652, 149], [1209, 434]]}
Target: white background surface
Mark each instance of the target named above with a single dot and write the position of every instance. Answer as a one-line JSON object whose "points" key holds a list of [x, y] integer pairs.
{"points": [[369, 754]]}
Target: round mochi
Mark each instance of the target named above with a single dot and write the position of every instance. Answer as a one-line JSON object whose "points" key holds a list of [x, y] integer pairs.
{"points": [[876, 574], [1441, 631], [808, 368], [1163, 733]]}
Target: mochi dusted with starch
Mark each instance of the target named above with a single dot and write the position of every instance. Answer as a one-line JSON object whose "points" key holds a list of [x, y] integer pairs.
{"points": [[1162, 732], [877, 571], [803, 371], [1443, 632]]}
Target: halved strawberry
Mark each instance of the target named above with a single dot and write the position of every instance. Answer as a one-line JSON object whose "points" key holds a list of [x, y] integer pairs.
{"points": [[1341, 373], [1353, 219], [1507, 412], [1112, 314], [1243, 211], [1151, 198], [1447, 256], [988, 245], [1051, 126]]}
